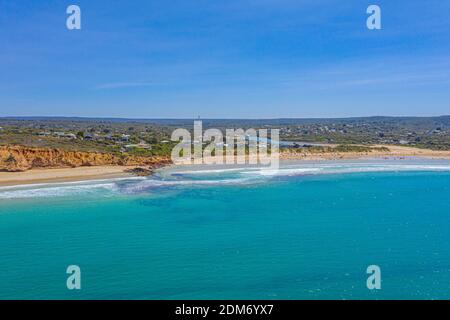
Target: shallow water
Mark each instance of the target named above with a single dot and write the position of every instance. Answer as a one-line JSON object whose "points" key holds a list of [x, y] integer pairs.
{"points": [[306, 231]]}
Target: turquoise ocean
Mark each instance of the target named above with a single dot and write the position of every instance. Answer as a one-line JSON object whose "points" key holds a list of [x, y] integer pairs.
{"points": [[307, 231]]}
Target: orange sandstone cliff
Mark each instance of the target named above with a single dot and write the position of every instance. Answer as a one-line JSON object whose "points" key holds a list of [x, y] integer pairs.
{"points": [[18, 158]]}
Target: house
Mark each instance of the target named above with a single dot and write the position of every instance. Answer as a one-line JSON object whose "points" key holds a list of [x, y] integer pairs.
{"points": [[144, 145], [125, 138], [141, 145]]}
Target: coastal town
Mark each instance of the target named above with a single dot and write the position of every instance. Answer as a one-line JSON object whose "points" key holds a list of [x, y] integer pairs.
{"points": [[153, 137]]}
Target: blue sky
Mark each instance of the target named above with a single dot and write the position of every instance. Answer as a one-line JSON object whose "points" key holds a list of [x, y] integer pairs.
{"points": [[224, 59]]}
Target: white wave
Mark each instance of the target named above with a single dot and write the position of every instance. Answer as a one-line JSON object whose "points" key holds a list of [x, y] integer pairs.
{"points": [[63, 184], [61, 189], [151, 184], [283, 171], [209, 171], [326, 168], [57, 191]]}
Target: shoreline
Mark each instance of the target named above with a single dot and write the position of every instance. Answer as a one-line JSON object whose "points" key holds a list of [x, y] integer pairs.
{"points": [[87, 173], [58, 175]]}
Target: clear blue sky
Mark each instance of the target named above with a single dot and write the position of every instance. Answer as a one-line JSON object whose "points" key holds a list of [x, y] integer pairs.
{"points": [[224, 59]]}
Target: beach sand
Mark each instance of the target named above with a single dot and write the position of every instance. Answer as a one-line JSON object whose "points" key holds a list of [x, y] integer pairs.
{"points": [[398, 152], [62, 175]]}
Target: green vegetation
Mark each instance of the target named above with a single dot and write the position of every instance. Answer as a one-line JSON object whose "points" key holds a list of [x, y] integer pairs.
{"points": [[355, 148], [340, 148], [429, 133], [152, 137], [90, 136]]}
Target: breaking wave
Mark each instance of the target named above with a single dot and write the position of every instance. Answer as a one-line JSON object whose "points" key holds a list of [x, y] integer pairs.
{"points": [[182, 177]]}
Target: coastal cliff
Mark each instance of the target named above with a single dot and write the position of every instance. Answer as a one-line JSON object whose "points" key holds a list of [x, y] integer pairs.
{"points": [[19, 158]]}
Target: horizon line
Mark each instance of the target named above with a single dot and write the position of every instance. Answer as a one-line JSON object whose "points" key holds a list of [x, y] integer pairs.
{"points": [[199, 118]]}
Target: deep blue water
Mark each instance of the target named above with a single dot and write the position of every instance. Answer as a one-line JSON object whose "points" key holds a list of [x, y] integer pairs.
{"points": [[231, 235]]}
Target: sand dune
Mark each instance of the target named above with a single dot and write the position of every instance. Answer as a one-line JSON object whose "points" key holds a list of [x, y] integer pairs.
{"points": [[394, 152]]}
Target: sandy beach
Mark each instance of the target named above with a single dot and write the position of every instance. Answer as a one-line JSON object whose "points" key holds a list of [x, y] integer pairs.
{"points": [[398, 152], [62, 175]]}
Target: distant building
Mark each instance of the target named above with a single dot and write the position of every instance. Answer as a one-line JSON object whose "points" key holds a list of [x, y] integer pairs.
{"points": [[141, 145]]}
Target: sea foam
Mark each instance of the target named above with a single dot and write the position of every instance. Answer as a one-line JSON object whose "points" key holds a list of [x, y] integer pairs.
{"points": [[204, 176]]}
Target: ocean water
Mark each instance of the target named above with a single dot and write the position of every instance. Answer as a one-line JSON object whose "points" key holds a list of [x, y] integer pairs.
{"points": [[307, 231]]}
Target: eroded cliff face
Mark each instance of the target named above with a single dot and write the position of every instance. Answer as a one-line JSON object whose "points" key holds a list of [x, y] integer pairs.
{"points": [[18, 158]]}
